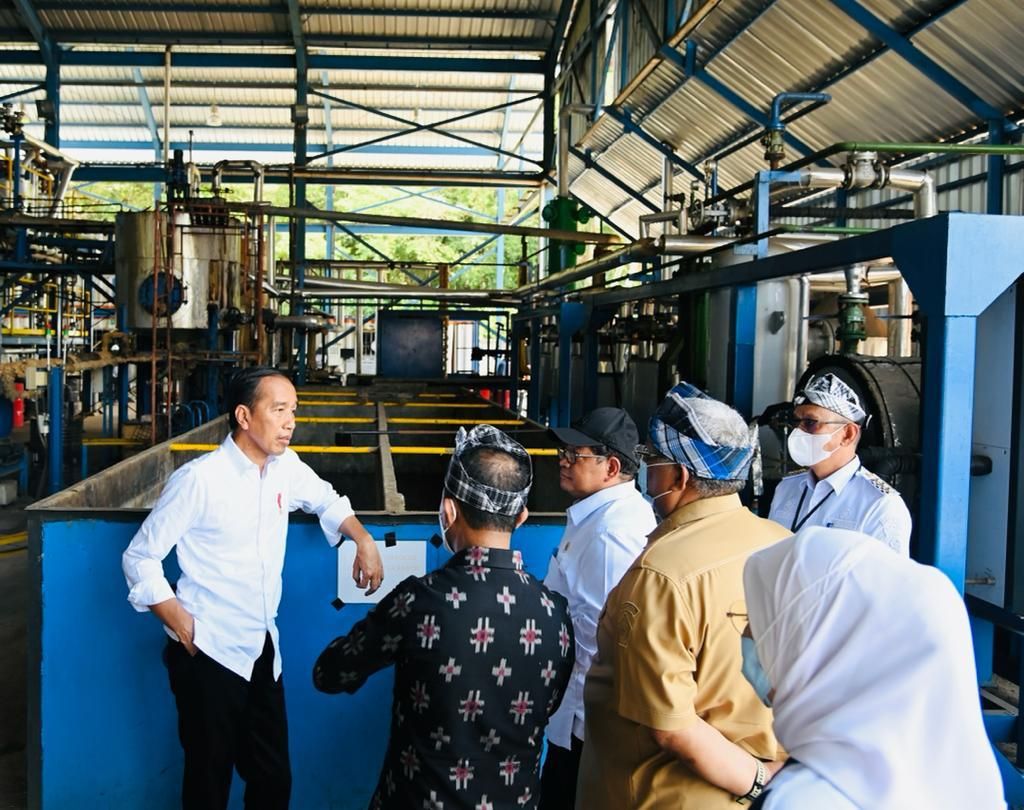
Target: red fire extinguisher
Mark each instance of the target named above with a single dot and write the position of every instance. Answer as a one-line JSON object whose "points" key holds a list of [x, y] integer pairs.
{"points": [[18, 418]]}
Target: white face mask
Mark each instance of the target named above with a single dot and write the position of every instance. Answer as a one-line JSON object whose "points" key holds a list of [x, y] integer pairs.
{"points": [[443, 528], [808, 449], [644, 467]]}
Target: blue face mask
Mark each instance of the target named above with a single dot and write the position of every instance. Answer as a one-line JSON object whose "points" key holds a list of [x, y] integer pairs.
{"points": [[754, 672], [642, 479]]}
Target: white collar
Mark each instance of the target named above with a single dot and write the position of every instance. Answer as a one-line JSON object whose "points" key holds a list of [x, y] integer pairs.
{"points": [[581, 510], [240, 459], [839, 479]]}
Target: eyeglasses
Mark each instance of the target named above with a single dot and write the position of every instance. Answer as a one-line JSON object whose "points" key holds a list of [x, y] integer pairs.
{"points": [[738, 618], [808, 425], [570, 456]]}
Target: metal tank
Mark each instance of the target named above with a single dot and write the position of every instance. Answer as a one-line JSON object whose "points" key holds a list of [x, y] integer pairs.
{"points": [[207, 268]]}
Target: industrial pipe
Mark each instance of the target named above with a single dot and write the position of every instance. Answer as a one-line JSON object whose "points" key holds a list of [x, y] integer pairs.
{"points": [[642, 249], [253, 166], [922, 186], [407, 290], [909, 148], [423, 294]]}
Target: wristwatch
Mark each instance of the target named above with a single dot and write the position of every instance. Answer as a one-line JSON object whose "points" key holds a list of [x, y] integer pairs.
{"points": [[760, 780]]}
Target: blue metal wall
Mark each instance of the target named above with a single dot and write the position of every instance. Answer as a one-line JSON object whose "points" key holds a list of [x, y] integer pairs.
{"points": [[102, 718]]}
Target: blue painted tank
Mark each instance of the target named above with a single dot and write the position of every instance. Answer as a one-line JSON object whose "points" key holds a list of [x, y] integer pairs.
{"points": [[102, 721]]}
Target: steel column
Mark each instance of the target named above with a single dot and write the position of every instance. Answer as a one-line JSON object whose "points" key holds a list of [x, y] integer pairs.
{"points": [[55, 441], [572, 317]]}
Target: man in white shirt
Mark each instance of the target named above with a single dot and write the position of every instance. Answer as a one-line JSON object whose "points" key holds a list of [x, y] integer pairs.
{"points": [[606, 528], [835, 490], [227, 514]]}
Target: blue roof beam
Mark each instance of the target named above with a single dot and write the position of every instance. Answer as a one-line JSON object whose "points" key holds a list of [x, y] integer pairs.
{"points": [[590, 163], [308, 11], [298, 38], [923, 63], [208, 59], [416, 127], [116, 36], [631, 127], [50, 53]]}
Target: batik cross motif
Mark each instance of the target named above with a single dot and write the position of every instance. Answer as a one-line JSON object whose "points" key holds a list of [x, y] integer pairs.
{"points": [[472, 706], [484, 804], [390, 644], [481, 635], [433, 803], [506, 600], [410, 762], [460, 773], [402, 605], [547, 603], [449, 670], [440, 738], [563, 640], [455, 597], [502, 671], [420, 698], [548, 672], [492, 739], [529, 636], [508, 768], [428, 632], [521, 707]]}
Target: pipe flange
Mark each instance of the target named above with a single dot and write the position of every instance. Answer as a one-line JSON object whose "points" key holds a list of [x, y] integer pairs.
{"points": [[881, 175]]}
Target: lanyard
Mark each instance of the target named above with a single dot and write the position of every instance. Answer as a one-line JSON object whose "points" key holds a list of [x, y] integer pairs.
{"points": [[796, 525]]}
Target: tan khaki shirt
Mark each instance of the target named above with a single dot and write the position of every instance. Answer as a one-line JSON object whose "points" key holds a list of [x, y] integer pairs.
{"points": [[667, 653]]}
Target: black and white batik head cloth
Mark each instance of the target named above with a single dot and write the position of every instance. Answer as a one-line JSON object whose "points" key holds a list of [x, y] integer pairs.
{"points": [[463, 487], [829, 392]]}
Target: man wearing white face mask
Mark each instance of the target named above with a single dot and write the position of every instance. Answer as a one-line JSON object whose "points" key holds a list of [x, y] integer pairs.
{"points": [[836, 491]]}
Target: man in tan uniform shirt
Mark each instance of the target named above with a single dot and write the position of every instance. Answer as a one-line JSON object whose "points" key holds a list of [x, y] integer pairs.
{"points": [[670, 720]]}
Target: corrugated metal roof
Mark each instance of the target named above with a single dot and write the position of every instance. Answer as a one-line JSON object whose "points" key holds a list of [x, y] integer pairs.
{"points": [[793, 45]]}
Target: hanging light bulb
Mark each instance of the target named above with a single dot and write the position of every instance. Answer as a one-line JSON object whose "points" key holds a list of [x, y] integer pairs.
{"points": [[213, 118]]}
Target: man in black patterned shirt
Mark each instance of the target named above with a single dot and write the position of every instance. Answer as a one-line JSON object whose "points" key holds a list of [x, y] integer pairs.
{"points": [[482, 650]]}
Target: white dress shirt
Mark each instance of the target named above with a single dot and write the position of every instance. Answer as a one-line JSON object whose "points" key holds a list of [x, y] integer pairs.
{"points": [[851, 498], [229, 524], [604, 534]]}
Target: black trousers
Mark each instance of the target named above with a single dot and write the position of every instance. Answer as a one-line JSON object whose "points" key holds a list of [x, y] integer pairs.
{"points": [[558, 779], [226, 722]]}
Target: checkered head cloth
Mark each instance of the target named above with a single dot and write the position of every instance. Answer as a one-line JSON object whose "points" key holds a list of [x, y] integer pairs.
{"points": [[832, 394], [463, 487], [676, 432]]}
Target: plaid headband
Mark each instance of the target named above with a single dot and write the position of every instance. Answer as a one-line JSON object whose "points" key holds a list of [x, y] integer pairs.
{"points": [[463, 487], [676, 432], [832, 394]]}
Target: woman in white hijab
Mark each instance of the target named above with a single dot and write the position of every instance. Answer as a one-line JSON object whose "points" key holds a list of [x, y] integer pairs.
{"points": [[866, 659]]}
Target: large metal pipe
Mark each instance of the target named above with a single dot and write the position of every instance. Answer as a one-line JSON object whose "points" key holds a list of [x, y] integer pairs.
{"points": [[487, 297], [253, 166], [922, 186], [411, 290], [643, 249]]}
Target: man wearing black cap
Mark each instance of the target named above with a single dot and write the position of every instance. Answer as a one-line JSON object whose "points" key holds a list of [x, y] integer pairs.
{"points": [[606, 528]]}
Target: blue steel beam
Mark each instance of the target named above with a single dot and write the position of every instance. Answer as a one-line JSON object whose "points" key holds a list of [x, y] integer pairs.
{"points": [[23, 91], [630, 126], [923, 63], [150, 173], [688, 64], [504, 123], [558, 35], [238, 146], [298, 38], [245, 38], [30, 17], [416, 127], [590, 163], [835, 78], [204, 59], [309, 11]]}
